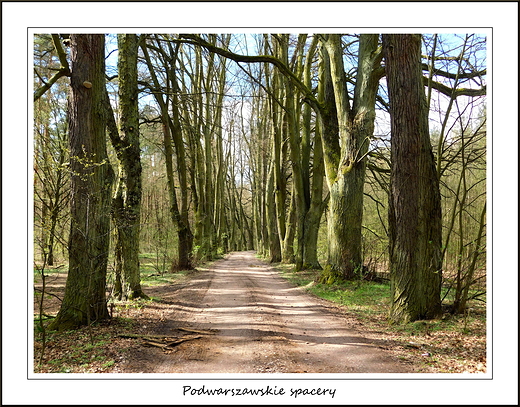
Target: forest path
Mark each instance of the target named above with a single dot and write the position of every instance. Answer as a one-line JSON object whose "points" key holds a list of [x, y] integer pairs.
{"points": [[261, 324]]}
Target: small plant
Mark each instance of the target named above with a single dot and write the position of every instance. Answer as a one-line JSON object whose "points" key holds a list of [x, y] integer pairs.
{"points": [[108, 363]]}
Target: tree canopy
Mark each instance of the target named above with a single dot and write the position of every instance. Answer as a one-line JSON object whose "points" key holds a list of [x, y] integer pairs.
{"points": [[279, 143]]}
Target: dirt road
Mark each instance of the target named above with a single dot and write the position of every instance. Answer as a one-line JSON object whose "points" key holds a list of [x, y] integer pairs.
{"points": [[261, 324]]}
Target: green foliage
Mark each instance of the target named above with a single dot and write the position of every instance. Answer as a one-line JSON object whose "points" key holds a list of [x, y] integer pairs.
{"points": [[51, 272], [108, 363]]}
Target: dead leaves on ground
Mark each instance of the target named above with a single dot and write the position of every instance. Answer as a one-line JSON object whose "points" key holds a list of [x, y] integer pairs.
{"points": [[441, 351]]}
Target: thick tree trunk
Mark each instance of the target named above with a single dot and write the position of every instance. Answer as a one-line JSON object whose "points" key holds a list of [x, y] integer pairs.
{"points": [[345, 151], [84, 300], [415, 211], [344, 224]]}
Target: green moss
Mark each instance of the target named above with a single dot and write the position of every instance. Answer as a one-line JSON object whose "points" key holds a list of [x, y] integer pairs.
{"points": [[330, 275]]}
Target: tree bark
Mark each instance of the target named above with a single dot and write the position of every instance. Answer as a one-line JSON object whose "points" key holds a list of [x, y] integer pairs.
{"points": [[345, 151], [313, 201], [91, 179], [275, 249], [127, 199], [415, 223]]}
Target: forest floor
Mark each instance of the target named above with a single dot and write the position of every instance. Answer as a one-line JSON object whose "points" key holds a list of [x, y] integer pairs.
{"points": [[238, 315]]}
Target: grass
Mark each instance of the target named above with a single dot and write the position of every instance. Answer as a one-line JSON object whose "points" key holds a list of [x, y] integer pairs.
{"points": [[363, 298]]}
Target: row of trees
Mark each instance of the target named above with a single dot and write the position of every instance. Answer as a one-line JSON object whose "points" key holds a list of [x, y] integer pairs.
{"points": [[253, 142]]}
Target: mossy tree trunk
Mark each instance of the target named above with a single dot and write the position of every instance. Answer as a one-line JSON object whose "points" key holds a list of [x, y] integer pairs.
{"points": [[205, 149], [313, 181], [127, 199], [415, 223], [275, 249], [279, 149], [345, 150], [84, 300]]}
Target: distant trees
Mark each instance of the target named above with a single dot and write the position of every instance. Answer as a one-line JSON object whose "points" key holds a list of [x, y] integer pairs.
{"points": [[51, 153]]}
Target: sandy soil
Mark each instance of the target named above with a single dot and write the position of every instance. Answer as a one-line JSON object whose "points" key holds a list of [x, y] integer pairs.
{"points": [[259, 324]]}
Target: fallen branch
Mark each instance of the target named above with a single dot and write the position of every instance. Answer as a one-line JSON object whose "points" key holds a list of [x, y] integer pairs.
{"points": [[181, 340], [197, 331], [150, 337], [165, 341], [169, 344]]}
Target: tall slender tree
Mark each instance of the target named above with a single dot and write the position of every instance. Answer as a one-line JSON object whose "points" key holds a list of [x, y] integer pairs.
{"points": [[91, 179], [313, 173], [415, 223], [173, 143], [127, 197]]}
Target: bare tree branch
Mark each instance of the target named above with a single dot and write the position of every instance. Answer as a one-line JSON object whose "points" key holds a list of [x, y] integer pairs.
{"points": [[284, 69], [63, 71], [454, 93]]}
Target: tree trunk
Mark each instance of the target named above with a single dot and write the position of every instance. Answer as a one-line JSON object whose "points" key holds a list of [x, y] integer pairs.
{"points": [[345, 152], [127, 200], [415, 223], [84, 300], [312, 191], [275, 249]]}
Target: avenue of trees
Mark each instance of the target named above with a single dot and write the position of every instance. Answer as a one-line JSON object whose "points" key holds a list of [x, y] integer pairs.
{"points": [[360, 155]]}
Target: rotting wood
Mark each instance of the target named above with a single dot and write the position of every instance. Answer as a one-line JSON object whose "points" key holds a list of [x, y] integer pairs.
{"points": [[152, 343]]}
